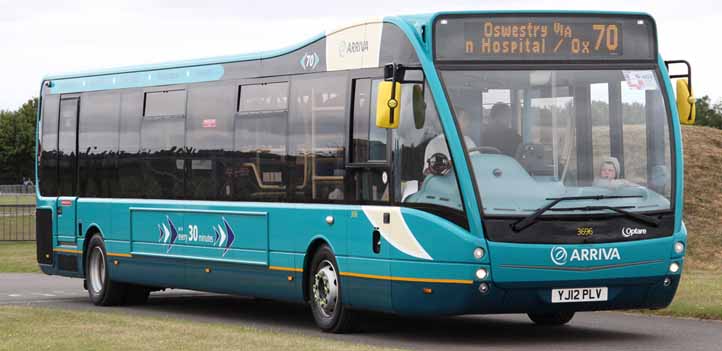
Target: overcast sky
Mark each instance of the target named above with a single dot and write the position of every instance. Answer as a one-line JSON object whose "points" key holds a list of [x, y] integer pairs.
{"points": [[50, 37]]}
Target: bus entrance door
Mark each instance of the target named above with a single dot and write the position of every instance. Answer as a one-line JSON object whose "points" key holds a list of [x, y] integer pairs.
{"points": [[66, 214], [369, 183]]}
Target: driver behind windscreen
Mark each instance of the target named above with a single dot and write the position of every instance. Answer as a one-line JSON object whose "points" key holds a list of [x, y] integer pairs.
{"points": [[437, 151], [497, 133]]}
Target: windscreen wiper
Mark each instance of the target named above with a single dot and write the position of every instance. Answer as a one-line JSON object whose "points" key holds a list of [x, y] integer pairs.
{"points": [[649, 220], [529, 220]]}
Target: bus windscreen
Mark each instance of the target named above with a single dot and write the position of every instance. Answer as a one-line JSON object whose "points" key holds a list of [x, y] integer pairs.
{"points": [[544, 38]]}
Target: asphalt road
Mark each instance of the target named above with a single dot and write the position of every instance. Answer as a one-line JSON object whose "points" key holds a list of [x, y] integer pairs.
{"points": [[588, 331]]}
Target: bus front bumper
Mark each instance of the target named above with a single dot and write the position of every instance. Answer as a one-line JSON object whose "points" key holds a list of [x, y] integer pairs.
{"points": [[450, 299]]}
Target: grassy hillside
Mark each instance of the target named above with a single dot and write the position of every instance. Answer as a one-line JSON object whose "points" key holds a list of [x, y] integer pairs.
{"points": [[703, 196]]}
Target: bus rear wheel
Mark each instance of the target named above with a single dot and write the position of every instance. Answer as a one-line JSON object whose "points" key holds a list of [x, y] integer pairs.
{"points": [[553, 318], [101, 289], [324, 292]]}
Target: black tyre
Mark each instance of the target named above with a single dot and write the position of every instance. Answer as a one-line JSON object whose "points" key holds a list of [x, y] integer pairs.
{"points": [[555, 318], [101, 289], [324, 294]]}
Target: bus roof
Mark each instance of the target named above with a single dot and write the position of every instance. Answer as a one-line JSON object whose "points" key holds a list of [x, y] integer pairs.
{"points": [[416, 21]]}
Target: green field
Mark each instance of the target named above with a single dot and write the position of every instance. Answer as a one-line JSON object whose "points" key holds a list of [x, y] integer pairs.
{"points": [[18, 257], [17, 228], [699, 295], [84, 330], [17, 199]]}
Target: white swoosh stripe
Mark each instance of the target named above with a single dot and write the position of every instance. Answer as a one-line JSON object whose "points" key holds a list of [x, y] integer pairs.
{"points": [[397, 232]]}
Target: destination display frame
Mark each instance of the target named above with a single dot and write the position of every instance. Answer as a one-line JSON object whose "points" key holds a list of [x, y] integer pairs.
{"points": [[534, 37]]}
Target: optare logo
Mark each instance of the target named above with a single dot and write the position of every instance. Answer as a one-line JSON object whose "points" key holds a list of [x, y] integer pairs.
{"points": [[630, 232], [559, 255]]}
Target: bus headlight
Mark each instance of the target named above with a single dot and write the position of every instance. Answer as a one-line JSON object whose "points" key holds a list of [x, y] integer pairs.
{"points": [[478, 253], [678, 247], [481, 273], [674, 267]]}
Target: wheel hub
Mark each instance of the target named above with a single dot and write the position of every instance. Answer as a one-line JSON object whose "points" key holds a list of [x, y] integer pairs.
{"points": [[325, 288], [97, 270]]}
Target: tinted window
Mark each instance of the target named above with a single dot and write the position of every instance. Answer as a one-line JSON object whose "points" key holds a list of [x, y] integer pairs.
{"points": [[258, 172], [162, 142], [210, 117], [165, 103], [67, 128], [99, 123], [49, 146], [369, 146], [130, 179], [165, 133], [98, 144], [317, 140], [369, 142], [263, 97], [209, 139]]}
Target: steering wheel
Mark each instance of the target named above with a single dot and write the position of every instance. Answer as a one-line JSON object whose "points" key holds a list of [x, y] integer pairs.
{"points": [[485, 150], [439, 164]]}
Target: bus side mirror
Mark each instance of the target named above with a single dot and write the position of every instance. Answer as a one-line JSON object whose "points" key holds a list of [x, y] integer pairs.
{"points": [[685, 99], [388, 105], [685, 103]]}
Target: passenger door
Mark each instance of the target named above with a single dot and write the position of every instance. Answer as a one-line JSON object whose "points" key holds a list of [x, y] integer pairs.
{"points": [[67, 172], [369, 183]]}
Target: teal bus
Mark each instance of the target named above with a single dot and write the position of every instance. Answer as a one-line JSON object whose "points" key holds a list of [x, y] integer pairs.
{"points": [[439, 164]]}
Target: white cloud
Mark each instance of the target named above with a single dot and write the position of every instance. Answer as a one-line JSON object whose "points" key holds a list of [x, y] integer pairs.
{"points": [[55, 37]]}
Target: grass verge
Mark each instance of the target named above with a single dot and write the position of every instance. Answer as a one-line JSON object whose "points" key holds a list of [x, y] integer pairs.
{"points": [[18, 257], [21, 227], [699, 296], [85, 330], [17, 199]]}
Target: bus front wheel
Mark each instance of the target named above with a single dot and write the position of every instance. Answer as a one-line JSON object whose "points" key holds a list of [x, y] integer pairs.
{"points": [[324, 292], [554, 318]]}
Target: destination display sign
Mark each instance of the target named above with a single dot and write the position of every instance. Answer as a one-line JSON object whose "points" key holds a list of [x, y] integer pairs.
{"points": [[544, 38]]}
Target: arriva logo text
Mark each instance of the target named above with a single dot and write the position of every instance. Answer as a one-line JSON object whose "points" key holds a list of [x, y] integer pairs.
{"points": [[560, 256]]}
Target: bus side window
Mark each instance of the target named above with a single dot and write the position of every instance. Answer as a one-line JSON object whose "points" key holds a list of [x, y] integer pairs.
{"points": [[209, 139], [48, 161], [317, 138], [370, 180], [98, 144], [162, 139], [259, 166], [130, 181]]}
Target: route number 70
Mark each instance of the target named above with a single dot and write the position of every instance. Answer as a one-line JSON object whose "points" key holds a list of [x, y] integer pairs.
{"points": [[610, 32]]}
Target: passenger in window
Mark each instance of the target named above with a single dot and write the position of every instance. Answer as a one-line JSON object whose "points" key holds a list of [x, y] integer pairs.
{"points": [[497, 134], [608, 169], [438, 144], [608, 176]]}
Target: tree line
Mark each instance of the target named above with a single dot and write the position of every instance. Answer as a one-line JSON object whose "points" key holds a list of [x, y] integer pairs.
{"points": [[17, 143], [17, 136], [708, 113]]}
